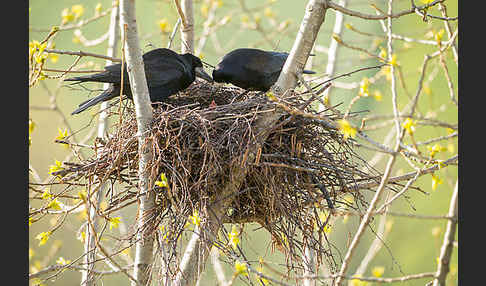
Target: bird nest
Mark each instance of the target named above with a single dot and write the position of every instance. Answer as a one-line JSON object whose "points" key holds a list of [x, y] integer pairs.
{"points": [[303, 167]]}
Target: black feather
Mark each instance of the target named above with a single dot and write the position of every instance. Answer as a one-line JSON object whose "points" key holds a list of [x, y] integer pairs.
{"points": [[251, 69], [166, 71]]}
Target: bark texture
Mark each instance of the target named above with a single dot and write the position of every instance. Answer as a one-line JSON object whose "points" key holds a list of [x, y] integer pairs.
{"points": [[187, 27], [143, 110]]}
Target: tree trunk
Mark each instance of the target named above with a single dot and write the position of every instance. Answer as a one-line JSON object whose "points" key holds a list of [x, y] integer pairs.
{"points": [[309, 28], [199, 247], [143, 110], [187, 27]]}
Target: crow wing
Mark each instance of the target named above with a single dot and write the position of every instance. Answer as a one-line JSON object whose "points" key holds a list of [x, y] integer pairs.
{"points": [[161, 67], [266, 63], [166, 72]]}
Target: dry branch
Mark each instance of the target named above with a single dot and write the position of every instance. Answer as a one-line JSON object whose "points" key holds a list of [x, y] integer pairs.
{"points": [[447, 245], [195, 144]]}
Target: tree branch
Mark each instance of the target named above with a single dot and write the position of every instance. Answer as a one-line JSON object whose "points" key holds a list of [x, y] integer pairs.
{"points": [[349, 12], [332, 54], [384, 180], [447, 245], [143, 111]]}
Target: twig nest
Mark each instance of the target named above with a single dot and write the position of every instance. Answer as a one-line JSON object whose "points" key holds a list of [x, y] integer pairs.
{"points": [[199, 134]]}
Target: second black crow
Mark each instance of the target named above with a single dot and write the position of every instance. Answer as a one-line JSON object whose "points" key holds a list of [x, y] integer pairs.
{"points": [[166, 71], [251, 69]]}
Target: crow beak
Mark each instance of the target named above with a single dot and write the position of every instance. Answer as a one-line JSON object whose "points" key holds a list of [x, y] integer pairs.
{"points": [[202, 74]]}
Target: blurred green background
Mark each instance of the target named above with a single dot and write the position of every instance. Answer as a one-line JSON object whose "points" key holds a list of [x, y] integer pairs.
{"points": [[411, 246]]}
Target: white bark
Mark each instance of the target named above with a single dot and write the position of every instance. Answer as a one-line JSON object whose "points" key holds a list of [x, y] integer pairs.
{"points": [[143, 110], [187, 27], [309, 266], [218, 268], [87, 277], [365, 221], [110, 52], [309, 28], [191, 261], [198, 249]]}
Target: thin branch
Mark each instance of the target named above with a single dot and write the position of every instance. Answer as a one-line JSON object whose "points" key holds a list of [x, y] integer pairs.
{"points": [[366, 218], [443, 10], [396, 37], [87, 277], [83, 22], [332, 54], [404, 189], [352, 13], [406, 176], [58, 267], [71, 71], [375, 246], [109, 257], [390, 213], [82, 54], [448, 78], [309, 262], [447, 245], [89, 43], [181, 12], [174, 31], [378, 279], [207, 27]]}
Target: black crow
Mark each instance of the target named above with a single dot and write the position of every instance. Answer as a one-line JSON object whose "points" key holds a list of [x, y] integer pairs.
{"points": [[251, 69], [166, 71]]}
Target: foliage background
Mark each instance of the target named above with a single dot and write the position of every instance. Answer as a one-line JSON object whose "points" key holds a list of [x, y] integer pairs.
{"points": [[410, 247]]}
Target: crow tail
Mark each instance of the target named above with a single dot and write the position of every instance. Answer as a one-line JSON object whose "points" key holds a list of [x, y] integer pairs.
{"points": [[106, 95], [98, 77]]}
